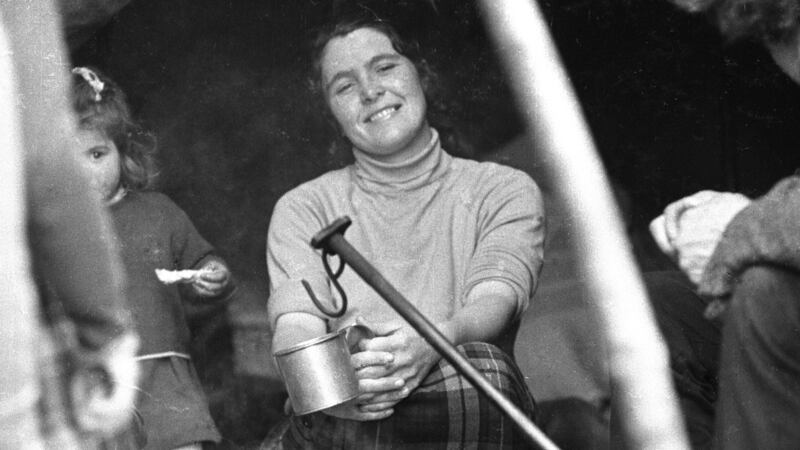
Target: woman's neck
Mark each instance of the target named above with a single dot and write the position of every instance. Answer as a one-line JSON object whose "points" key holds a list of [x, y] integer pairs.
{"points": [[415, 165], [417, 145]]}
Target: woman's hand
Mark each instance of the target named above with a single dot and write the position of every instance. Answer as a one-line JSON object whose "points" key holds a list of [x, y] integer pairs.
{"points": [[413, 359], [690, 228], [213, 279], [389, 367], [374, 381]]}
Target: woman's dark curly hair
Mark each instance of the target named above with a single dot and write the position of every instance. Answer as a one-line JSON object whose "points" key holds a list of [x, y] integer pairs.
{"points": [[101, 105], [437, 113], [771, 21]]}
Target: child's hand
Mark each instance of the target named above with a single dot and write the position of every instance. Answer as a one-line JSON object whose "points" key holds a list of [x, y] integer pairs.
{"points": [[213, 279]]}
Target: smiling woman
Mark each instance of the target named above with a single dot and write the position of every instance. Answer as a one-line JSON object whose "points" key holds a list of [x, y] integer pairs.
{"points": [[435, 109], [462, 240], [375, 95]]}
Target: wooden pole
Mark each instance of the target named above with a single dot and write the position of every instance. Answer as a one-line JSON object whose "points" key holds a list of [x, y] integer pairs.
{"points": [[638, 356]]}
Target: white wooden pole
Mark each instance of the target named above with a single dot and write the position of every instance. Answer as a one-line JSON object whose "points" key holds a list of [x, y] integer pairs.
{"points": [[638, 356]]}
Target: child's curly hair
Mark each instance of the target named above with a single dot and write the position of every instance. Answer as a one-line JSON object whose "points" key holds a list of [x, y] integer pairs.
{"points": [[771, 21], [101, 105]]}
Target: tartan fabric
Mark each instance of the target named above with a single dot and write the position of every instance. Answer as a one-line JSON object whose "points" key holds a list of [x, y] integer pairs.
{"points": [[444, 412]]}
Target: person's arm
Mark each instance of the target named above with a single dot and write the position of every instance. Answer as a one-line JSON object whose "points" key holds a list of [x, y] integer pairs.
{"points": [[767, 231], [214, 287], [290, 261], [504, 270], [292, 316], [70, 235], [501, 278], [489, 308]]}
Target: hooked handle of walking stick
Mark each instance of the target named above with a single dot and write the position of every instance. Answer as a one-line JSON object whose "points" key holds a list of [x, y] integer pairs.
{"points": [[320, 241], [337, 227]]}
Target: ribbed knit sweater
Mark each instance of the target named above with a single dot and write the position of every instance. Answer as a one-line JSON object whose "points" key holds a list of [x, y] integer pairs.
{"points": [[434, 226]]}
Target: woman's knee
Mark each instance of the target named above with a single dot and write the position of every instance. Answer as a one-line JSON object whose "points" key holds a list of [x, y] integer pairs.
{"points": [[490, 360], [499, 368]]}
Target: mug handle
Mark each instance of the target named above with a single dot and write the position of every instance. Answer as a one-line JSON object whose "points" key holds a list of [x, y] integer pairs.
{"points": [[353, 334]]}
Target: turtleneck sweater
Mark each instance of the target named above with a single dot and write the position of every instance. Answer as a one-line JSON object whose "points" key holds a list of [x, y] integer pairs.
{"points": [[433, 225]]}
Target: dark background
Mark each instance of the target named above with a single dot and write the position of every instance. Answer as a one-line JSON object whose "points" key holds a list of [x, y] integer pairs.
{"points": [[672, 107]]}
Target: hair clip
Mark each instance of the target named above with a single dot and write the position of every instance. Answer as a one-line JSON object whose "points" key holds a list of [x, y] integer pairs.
{"points": [[92, 79]]}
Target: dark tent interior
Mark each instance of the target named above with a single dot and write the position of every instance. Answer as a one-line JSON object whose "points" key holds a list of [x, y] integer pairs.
{"points": [[672, 107]]}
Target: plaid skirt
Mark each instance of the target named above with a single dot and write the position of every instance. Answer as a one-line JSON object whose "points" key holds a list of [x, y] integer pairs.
{"points": [[444, 412]]}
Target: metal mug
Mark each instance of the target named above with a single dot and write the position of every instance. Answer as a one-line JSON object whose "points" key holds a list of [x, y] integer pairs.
{"points": [[317, 372]]}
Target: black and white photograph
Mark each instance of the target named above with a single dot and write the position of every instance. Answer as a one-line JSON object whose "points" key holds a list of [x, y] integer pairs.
{"points": [[400, 224]]}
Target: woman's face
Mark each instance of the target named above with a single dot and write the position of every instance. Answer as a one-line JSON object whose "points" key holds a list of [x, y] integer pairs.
{"points": [[375, 95], [101, 160]]}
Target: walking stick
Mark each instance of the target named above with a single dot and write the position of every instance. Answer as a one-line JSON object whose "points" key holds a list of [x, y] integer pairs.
{"points": [[331, 240]]}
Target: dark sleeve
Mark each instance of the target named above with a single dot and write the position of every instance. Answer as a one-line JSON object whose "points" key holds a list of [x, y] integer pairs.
{"points": [[69, 232], [511, 242], [765, 232], [188, 246], [192, 251]]}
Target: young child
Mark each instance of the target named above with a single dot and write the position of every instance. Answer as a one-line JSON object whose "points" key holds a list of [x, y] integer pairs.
{"points": [[153, 233]]}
